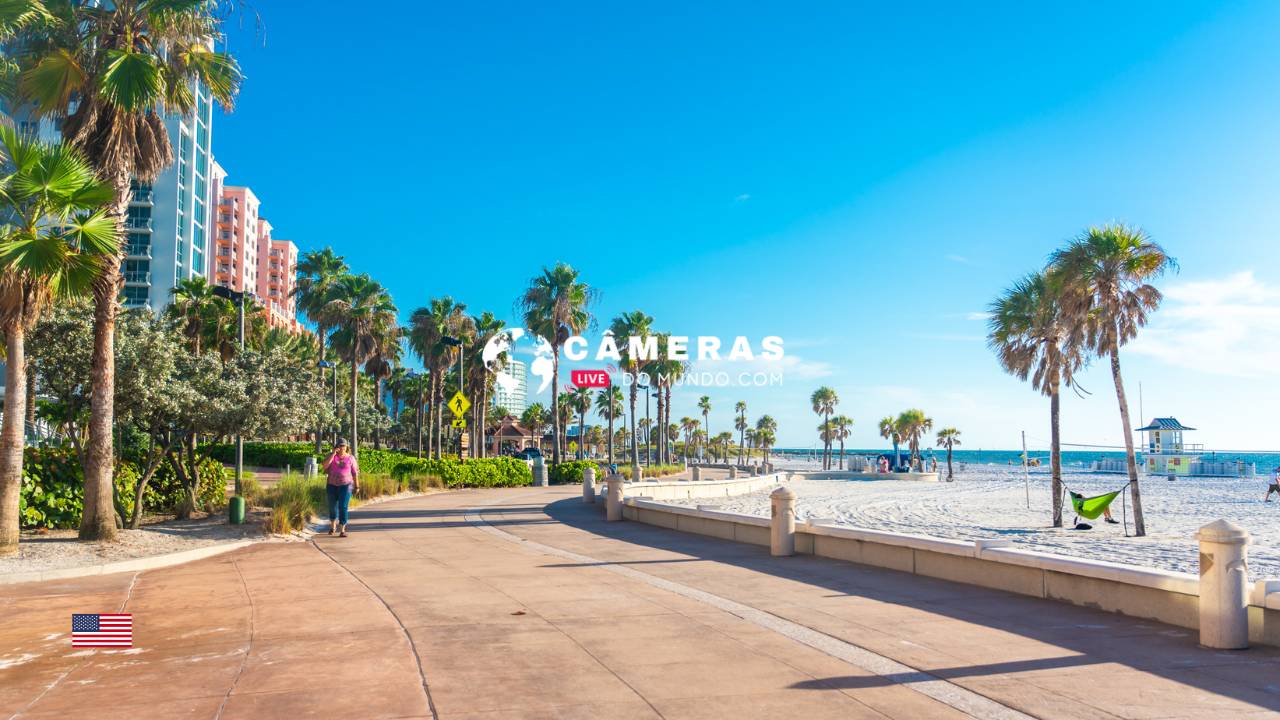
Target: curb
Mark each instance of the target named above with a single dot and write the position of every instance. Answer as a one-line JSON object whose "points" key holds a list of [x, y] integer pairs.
{"points": [[135, 565]]}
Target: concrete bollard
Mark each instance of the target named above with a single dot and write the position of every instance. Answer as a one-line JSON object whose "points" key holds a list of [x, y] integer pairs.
{"points": [[539, 473], [782, 523], [637, 475], [696, 473], [733, 472], [613, 501], [310, 468], [588, 485], [1224, 598]]}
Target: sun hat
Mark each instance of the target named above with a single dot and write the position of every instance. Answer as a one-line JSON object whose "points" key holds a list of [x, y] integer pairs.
{"points": [[342, 442]]}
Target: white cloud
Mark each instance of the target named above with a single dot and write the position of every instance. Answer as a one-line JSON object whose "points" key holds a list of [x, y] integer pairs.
{"points": [[977, 316], [960, 259], [1226, 326], [743, 197]]}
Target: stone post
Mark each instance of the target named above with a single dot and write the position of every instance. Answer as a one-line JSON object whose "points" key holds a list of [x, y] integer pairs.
{"points": [[613, 501], [539, 473], [782, 523], [695, 473], [733, 471], [1224, 599], [588, 485], [309, 468], [637, 475]]}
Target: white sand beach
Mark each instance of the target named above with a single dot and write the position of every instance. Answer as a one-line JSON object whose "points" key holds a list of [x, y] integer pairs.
{"points": [[990, 501]]}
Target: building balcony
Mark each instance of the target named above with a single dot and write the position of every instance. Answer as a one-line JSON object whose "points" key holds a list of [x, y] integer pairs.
{"points": [[137, 277], [137, 223], [137, 252], [142, 198]]}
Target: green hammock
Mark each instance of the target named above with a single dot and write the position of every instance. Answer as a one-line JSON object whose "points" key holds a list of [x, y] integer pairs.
{"points": [[1091, 507]]}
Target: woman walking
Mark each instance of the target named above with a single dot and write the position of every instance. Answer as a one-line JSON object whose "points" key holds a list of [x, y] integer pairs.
{"points": [[343, 480]]}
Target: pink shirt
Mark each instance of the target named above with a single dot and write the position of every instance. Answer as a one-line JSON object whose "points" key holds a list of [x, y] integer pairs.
{"points": [[342, 469]]}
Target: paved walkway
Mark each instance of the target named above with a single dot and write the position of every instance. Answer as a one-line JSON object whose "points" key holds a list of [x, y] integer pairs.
{"points": [[536, 608]]}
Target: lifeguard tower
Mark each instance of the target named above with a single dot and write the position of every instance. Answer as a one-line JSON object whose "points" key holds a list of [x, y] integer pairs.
{"points": [[1165, 453]]}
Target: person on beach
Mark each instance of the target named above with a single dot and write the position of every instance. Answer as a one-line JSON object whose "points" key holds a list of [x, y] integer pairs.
{"points": [[1274, 487], [343, 481]]}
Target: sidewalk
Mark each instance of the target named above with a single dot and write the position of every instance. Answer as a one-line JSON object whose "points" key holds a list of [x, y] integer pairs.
{"points": [[536, 608]]}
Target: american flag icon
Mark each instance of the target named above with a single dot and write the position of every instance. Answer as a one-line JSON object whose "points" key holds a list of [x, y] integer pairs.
{"points": [[101, 630]]}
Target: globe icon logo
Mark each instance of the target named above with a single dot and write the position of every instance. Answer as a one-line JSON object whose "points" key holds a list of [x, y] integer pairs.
{"points": [[503, 342]]}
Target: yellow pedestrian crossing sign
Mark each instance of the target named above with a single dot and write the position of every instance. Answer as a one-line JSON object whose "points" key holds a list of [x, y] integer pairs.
{"points": [[460, 423], [458, 404]]}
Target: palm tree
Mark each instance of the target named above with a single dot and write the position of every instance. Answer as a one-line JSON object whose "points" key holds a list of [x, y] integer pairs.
{"points": [[1106, 298], [362, 310], [704, 404], [889, 431], [841, 424], [741, 426], [580, 400], [1030, 338], [689, 426], [113, 71], [195, 309], [382, 364], [534, 418], [481, 380], [53, 243], [428, 329], [564, 418], [318, 272], [626, 327], [766, 433], [609, 404], [912, 425], [827, 434], [824, 401], [950, 437], [555, 307]]}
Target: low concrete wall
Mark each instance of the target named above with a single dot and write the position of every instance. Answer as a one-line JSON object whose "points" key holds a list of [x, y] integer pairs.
{"points": [[1148, 593], [704, 489], [855, 475]]}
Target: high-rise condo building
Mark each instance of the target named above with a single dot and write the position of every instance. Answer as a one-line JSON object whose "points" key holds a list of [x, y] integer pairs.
{"points": [[517, 400]]}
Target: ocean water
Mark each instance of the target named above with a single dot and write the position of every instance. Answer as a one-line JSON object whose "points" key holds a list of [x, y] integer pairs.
{"points": [[1072, 460]]}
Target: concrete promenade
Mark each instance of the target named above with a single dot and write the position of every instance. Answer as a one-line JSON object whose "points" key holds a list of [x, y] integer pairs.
{"points": [[526, 604]]}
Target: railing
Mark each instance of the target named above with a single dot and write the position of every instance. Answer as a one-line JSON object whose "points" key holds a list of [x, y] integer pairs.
{"points": [[137, 223], [138, 250], [137, 276], [143, 196]]}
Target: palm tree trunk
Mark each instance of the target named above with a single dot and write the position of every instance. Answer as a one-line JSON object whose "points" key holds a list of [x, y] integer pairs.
{"points": [[635, 451], [98, 521], [31, 393], [841, 451], [1139, 526], [610, 439], [949, 474], [555, 404], [355, 386], [11, 439], [1055, 452], [377, 400], [319, 370]]}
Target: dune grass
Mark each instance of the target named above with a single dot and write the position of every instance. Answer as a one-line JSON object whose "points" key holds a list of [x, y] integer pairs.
{"points": [[295, 501]]}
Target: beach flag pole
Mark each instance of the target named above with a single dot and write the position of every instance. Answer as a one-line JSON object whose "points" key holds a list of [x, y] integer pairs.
{"points": [[1026, 472]]}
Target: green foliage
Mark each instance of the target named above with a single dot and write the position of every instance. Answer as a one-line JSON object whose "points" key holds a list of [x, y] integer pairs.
{"points": [[295, 454], [454, 473], [294, 501], [568, 473], [650, 471], [53, 488]]}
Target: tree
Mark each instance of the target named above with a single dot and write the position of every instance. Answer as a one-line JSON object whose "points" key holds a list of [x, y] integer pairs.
{"points": [[428, 328], [824, 401], [889, 431], [704, 404], [632, 330], [534, 418], [1107, 297], [949, 438], [609, 404], [480, 379], [318, 272], [580, 401], [52, 244], [113, 71], [195, 308], [1028, 333], [689, 426], [766, 434], [741, 426], [362, 311], [841, 425], [382, 364], [912, 425], [555, 307]]}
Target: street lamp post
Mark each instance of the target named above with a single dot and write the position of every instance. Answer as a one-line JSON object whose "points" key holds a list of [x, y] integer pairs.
{"points": [[237, 509]]}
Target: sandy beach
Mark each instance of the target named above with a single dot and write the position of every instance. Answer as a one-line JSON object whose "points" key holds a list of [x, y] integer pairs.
{"points": [[990, 501]]}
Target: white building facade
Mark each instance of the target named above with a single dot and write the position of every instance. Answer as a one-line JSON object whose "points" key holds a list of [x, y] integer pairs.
{"points": [[517, 400]]}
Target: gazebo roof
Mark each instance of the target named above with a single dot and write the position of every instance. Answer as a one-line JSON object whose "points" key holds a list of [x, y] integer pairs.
{"points": [[513, 429], [1168, 423]]}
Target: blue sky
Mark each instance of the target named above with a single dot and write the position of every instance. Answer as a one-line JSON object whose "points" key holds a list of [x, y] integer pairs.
{"points": [[857, 179]]}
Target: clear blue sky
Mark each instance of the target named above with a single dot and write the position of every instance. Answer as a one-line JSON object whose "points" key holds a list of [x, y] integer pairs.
{"points": [[861, 181]]}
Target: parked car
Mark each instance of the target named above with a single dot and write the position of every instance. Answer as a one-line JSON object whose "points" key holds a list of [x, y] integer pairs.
{"points": [[530, 453]]}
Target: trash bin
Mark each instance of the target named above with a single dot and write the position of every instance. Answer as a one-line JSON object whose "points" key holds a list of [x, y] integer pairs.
{"points": [[235, 510]]}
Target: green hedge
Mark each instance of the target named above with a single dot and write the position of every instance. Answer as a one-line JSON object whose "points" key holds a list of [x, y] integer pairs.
{"points": [[295, 454], [569, 473], [53, 488], [455, 473]]}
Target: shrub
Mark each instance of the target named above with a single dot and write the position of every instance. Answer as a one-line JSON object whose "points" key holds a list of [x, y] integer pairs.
{"points": [[294, 501], [454, 473], [651, 471], [295, 454], [571, 472]]}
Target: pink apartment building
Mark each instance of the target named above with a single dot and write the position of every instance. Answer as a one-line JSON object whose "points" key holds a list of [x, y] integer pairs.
{"points": [[246, 257]]}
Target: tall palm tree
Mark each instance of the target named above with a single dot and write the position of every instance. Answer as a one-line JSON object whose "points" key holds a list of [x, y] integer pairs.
{"points": [[827, 434], [841, 425], [689, 426], [912, 425], [382, 364], [555, 306], [113, 71], [1107, 297], [1029, 334], [704, 404], [564, 416], [479, 378], [534, 418], [889, 431], [54, 243], [609, 404], [318, 273], [950, 437], [362, 310], [626, 327], [428, 329], [766, 433], [580, 401], [824, 401], [741, 426]]}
